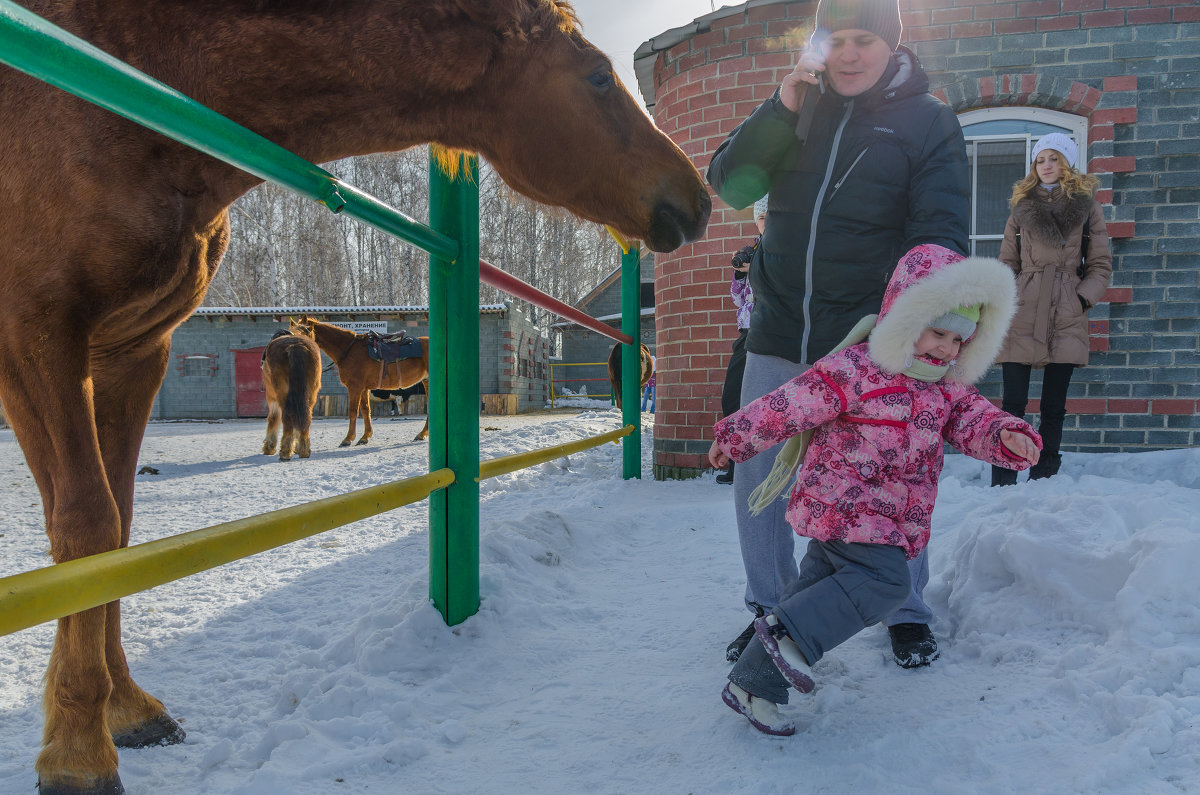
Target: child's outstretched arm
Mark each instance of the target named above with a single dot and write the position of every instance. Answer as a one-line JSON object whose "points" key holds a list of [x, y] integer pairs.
{"points": [[1020, 445], [983, 431], [806, 401]]}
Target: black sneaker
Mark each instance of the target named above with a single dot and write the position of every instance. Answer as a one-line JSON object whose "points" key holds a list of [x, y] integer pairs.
{"points": [[735, 649], [726, 477], [913, 645]]}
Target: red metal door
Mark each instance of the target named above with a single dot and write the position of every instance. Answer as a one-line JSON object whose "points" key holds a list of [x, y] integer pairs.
{"points": [[247, 383]]}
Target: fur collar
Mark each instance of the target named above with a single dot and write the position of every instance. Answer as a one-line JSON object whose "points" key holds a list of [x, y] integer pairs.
{"points": [[1051, 220], [975, 280]]}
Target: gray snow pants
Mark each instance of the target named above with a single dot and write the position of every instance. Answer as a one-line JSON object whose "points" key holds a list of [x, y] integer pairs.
{"points": [[842, 589], [767, 541]]}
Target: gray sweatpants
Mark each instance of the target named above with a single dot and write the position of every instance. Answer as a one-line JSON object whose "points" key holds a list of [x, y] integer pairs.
{"points": [[767, 540], [842, 589]]}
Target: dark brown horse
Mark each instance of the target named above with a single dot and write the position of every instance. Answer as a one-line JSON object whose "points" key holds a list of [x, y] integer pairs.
{"points": [[359, 373], [291, 372], [110, 234], [614, 369]]}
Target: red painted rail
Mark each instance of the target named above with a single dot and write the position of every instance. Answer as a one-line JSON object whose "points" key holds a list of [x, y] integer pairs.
{"points": [[490, 274]]}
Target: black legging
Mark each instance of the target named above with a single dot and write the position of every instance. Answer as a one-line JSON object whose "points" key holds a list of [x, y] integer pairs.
{"points": [[731, 392], [1056, 378]]}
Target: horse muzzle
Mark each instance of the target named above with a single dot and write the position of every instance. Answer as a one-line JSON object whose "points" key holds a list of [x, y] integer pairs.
{"points": [[672, 226]]}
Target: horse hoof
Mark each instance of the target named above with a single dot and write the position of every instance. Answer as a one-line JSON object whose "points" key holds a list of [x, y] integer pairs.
{"points": [[159, 730], [363, 441], [110, 785], [346, 443]]}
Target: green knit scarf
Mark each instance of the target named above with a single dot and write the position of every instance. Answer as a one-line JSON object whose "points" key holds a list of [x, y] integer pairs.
{"points": [[792, 452]]}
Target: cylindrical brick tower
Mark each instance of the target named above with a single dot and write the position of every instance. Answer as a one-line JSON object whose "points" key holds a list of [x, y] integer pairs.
{"points": [[702, 81]]}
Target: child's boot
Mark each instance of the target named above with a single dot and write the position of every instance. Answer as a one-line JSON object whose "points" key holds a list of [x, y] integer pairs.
{"points": [[762, 714], [784, 652], [1003, 477]]}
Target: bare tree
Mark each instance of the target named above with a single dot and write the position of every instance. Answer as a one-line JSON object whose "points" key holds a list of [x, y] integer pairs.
{"points": [[288, 250]]}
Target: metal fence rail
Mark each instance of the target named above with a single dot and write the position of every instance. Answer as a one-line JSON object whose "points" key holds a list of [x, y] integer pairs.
{"points": [[45, 51]]}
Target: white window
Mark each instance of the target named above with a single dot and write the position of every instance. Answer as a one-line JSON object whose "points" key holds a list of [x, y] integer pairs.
{"points": [[199, 366], [999, 141]]}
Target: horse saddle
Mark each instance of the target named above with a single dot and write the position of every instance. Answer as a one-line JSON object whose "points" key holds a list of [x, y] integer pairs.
{"points": [[393, 347]]}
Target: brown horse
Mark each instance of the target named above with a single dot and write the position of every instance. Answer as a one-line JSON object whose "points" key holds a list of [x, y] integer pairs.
{"points": [[291, 371], [614, 369], [359, 373], [111, 233]]}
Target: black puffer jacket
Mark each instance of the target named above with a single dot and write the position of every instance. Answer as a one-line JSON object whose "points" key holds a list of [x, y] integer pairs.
{"points": [[881, 173]]}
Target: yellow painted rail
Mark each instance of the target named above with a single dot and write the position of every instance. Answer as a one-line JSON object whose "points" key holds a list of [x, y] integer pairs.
{"points": [[32, 597], [511, 463]]}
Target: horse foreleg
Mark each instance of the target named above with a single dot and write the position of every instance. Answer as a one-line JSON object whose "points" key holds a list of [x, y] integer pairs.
{"points": [[352, 400], [365, 408], [49, 407], [424, 434], [124, 394]]}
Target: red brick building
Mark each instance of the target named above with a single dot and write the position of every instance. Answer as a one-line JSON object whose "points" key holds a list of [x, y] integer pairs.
{"points": [[1122, 77]]}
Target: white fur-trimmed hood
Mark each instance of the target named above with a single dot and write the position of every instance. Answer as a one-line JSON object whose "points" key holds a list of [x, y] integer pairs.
{"points": [[931, 280]]}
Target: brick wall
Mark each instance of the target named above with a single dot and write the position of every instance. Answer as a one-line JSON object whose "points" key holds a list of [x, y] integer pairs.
{"points": [[1132, 67]]}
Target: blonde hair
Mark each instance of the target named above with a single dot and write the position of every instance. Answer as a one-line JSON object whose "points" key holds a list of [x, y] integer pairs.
{"points": [[1073, 183]]}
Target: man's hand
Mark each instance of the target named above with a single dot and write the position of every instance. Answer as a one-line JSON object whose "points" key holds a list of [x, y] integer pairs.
{"points": [[715, 457], [1020, 445], [792, 88]]}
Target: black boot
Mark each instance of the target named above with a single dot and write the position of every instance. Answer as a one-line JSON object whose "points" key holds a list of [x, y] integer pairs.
{"points": [[726, 477], [913, 645], [1003, 477], [735, 649], [1047, 466]]}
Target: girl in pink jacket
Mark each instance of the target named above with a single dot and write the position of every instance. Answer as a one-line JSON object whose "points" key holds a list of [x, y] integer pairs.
{"points": [[878, 413]]}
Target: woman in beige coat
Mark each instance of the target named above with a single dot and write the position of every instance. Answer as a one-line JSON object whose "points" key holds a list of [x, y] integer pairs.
{"points": [[1058, 281]]}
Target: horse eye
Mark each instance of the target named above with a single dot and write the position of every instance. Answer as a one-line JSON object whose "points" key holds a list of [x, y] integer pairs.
{"points": [[601, 79]]}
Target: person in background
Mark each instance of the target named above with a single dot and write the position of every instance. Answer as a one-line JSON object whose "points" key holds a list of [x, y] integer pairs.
{"points": [[876, 415], [648, 392], [743, 300], [1057, 244], [880, 168]]}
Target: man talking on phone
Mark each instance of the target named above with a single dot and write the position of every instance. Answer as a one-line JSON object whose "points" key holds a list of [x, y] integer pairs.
{"points": [[862, 164]]}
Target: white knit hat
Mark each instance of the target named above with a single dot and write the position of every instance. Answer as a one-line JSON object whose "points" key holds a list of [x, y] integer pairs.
{"points": [[1059, 143], [760, 208]]}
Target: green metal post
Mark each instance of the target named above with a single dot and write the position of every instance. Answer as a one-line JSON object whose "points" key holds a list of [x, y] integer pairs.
{"points": [[454, 394], [631, 360]]}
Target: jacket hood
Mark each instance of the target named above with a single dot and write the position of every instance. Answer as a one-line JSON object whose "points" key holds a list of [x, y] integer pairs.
{"points": [[930, 281]]}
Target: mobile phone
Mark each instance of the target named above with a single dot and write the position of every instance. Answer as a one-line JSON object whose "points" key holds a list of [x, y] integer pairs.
{"points": [[808, 106]]}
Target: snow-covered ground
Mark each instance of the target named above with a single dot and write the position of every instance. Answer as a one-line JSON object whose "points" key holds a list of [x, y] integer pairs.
{"points": [[1068, 611]]}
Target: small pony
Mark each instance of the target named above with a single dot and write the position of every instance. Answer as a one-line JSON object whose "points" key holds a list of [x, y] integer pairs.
{"points": [[291, 373], [614, 370]]}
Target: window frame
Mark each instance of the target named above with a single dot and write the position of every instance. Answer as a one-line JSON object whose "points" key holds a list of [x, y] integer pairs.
{"points": [[1074, 126]]}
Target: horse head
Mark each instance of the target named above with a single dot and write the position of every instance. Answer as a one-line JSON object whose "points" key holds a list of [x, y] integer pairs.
{"points": [[559, 126], [302, 327]]}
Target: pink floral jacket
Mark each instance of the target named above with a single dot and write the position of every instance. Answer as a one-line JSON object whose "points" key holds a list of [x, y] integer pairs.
{"points": [[871, 470]]}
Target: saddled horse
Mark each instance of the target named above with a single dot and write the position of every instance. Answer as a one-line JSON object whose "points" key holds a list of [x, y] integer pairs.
{"points": [[360, 373], [110, 235], [614, 369], [291, 373]]}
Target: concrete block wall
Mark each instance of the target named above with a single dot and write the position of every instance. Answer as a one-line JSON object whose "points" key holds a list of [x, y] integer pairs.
{"points": [[216, 336], [1132, 67], [584, 345]]}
